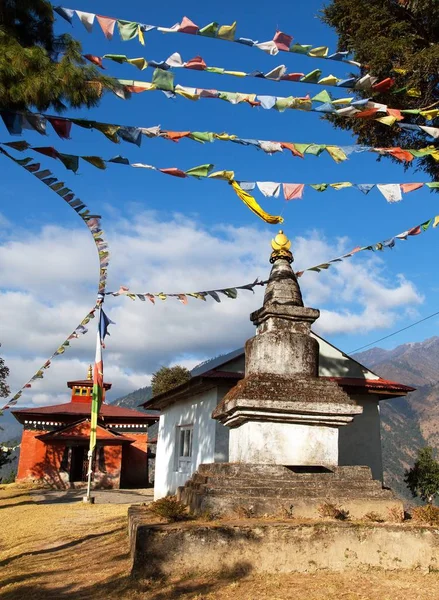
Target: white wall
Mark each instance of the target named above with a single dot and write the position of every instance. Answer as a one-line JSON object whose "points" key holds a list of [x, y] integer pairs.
{"points": [[360, 441], [196, 411], [288, 444], [334, 363]]}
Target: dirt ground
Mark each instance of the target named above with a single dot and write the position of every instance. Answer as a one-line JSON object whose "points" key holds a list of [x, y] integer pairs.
{"points": [[77, 551]]}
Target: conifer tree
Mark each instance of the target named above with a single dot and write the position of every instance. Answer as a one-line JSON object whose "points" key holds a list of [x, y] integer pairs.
{"points": [[39, 69], [423, 478], [167, 378], [397, 39]]}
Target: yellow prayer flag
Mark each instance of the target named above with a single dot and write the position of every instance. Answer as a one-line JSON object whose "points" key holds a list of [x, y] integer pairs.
{"points": [[187, 95], [140, 63], [414, 93], [389, 120], [436, 221], [251, 203], [342, 101], [341, 185], [227, 32], [329, 80], [336, 153], [225, 137], [235, 73], [321, 51], [430, 114], [141, 36], [226, 175]]}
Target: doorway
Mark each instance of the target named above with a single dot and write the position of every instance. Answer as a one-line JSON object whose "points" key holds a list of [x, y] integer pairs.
{"points": [[78, 465]]}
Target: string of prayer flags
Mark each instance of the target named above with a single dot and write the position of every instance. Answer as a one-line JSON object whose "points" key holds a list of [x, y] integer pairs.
{"points": [[79, 330], [128, 30], [92, 221], [116, 133], [350, 108], [199, 172], [379, 246], [229, 292], [392, 192], [277, 74]]}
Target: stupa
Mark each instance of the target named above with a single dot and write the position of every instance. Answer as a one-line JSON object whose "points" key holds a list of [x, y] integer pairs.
{"points": [[284, 420]]}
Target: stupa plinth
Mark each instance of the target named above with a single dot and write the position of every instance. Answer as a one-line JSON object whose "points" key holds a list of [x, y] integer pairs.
{"points": [[282, 412]]}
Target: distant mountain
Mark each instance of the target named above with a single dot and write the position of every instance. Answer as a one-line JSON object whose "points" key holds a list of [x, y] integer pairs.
{"points": [[134, 399], [412, 422]]}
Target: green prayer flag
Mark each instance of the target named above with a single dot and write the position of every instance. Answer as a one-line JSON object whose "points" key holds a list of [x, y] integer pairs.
{"points": [[315, 149], [319, 187], [200, 171], [119, 58], [96, 161], [230, 292], [312, 77], [209, 30], [217, 70], [163, 80], [433, 184], [282, 104], [300, 49], [201, 136], [323, 96], [301, 147], [127, 29], [70, 161], [426, 225]]}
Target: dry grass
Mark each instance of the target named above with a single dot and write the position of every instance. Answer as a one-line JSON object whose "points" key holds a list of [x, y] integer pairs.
{"points": [[79, 552]]}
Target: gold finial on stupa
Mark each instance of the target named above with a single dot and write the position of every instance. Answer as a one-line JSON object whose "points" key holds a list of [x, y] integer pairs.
{"points": [[90, 372], [281, 248]]}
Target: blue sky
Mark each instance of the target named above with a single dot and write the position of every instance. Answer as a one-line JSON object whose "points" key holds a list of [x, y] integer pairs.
{"points": [[207, 212]]}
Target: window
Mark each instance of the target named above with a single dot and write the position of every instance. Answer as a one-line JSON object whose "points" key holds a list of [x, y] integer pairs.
{"points": [[184, 448]]}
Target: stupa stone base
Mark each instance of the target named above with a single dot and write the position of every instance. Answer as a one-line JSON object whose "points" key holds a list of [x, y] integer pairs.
{"points": [[223, 489]]}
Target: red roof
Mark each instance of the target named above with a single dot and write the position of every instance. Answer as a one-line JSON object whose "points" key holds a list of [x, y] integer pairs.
{"points": [[83, 409], [378, 385]]}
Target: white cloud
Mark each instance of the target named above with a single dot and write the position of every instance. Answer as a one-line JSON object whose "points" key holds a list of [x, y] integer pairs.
{"points": [[48, 278]]}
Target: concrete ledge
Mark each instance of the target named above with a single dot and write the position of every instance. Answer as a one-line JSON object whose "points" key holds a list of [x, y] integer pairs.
{"points": [[278, 547]]}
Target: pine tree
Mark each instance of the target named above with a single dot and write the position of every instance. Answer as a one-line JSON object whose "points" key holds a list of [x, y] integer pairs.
{"points": [[397, 39], [423, 478], [4, 372], [39, 69], [167, 378]]}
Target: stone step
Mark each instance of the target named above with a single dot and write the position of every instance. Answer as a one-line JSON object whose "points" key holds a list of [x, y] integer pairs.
{"points": [[296, 483], [373, 487], [290, 492], [294, 488], [248, 494], [281, 472]]}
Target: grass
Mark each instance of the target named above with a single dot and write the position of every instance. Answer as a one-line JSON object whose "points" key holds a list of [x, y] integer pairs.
{"points": [[80, 552]]}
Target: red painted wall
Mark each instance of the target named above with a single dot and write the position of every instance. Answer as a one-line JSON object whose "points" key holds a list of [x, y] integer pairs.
{"points": [[38, 461], [135, 461]]}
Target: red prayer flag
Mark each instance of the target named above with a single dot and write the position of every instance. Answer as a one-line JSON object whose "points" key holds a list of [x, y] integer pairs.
{"points": [[96, 60], [188, 26], [283, 41], [173, 171], [107, 25], [384, 85], [61, 126], [196, 63], [293, 191], [410, 187]]}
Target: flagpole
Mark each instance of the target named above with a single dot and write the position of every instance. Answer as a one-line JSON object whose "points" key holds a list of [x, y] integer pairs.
{"points": [[92, 447]]}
